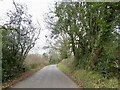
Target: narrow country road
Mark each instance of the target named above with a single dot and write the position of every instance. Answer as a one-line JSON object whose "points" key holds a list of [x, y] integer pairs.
{"points": [[48, 77]]}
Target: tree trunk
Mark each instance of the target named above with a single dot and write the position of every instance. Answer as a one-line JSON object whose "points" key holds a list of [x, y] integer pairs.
{"points": [[93, 57], [73, 45]]}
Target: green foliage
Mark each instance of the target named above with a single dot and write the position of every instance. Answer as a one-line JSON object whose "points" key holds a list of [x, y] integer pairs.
{"points": [[64, 49], [90, 28], [0, 58], [10, 61], [0, 76], [54, 58], [107, 62]]}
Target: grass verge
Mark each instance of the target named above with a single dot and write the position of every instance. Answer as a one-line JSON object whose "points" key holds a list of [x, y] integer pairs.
{"points": [[87, 79], [0, 78]]}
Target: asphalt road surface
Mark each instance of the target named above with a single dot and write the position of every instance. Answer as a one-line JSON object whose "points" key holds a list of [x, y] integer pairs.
{"points": [[48, 77]]}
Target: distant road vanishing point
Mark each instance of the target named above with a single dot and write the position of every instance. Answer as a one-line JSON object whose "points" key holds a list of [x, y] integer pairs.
{"points": [[48, 77]]}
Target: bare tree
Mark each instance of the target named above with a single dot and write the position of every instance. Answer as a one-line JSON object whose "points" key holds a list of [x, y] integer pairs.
{"points": [[19, 36]]}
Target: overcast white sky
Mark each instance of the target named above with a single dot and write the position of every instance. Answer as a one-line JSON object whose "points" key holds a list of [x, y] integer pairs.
{"points": [[37, 8]]}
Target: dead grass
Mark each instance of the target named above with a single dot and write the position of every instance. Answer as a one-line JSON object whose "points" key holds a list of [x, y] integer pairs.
{"points": [[35, 59]]}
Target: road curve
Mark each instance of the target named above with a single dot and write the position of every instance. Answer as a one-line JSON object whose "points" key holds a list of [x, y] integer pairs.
{"points": [[48, 77]]}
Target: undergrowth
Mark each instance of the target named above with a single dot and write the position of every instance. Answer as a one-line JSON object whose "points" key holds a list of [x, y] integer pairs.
{"points": [[87, 79]]}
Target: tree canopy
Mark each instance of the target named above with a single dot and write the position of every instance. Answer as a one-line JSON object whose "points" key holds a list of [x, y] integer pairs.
{"points": [[91, 32]]}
